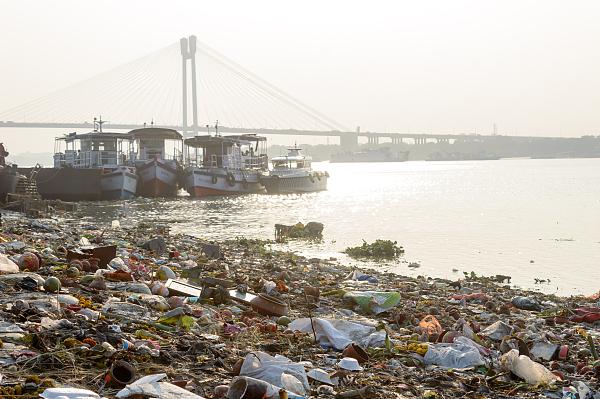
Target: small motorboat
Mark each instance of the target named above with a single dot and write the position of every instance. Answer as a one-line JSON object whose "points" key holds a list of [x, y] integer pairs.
{"points": [[293, 173]]}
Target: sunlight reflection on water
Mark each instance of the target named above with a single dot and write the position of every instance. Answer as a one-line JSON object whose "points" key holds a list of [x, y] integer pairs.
{"points": [[493, 217]]}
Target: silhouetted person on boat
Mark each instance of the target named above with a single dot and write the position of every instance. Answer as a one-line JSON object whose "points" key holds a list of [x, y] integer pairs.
{"points": [[3, 155]]}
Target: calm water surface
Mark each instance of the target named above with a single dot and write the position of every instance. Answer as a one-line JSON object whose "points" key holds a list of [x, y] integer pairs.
{"points": [[524, 218]]}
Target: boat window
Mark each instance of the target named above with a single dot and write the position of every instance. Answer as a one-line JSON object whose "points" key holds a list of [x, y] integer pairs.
{"points": [[299, 164], [280, 164]]}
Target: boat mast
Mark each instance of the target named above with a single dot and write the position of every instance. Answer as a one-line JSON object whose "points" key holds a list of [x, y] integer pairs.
{"points": [[98, 124]]}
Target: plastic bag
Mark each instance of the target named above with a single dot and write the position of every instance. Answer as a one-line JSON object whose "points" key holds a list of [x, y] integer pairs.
{"points": [[374, 301], [69, 393], [497, 331], [339, 333], [279, 371], [153, 386], [457, 355]]}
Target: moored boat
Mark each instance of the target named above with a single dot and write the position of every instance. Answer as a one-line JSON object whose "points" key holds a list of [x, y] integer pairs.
{"points": [[92, 166], [9, 178], [224, 165], [293, 173], [156, 166]]}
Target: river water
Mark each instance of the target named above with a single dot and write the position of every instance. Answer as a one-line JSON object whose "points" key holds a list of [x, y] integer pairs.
{"points": [[529, 219]]}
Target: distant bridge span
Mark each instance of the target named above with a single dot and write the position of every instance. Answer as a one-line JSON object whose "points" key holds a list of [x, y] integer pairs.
{"points": [[347, 139]]}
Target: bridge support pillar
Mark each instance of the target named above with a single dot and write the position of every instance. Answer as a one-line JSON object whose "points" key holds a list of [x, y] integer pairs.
{"points": [[188, 52], [373, 140], [184, 56]]}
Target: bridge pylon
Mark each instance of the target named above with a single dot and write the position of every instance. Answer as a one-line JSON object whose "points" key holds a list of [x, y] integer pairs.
{"points": [[188, 52]]}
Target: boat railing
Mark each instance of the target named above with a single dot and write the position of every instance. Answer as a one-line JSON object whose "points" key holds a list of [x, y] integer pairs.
{"points": [[230, 162], [256, 162], [167, 157], [89, 159]]}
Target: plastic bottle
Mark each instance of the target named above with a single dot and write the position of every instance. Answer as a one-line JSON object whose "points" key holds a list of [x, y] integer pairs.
{"points": [[522, 366]]}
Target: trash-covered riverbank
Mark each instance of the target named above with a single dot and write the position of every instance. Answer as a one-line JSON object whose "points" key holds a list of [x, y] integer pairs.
{"points": [[124, 312]]}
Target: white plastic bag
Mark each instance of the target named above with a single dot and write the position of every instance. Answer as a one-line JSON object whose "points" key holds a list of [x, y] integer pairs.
{"points": [[279, 371], [458, 355], [152, 386], [339, 333], [69, 393]]}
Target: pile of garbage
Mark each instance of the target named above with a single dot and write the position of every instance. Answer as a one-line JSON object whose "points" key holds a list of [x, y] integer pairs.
{"points": [[308, 231], [90, 311]]}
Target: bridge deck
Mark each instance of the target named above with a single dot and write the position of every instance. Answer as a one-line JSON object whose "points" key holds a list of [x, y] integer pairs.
{"points": [[291, 132]]}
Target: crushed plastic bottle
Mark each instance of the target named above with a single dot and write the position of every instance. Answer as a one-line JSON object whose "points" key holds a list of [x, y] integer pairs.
{"points": [[522, 366]]}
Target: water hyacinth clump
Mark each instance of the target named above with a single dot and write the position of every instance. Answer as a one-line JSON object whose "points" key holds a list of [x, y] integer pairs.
{"points": [[379, 249]]}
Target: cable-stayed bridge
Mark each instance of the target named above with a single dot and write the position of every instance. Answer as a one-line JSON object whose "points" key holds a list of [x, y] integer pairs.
{"points": [[188, 86]]}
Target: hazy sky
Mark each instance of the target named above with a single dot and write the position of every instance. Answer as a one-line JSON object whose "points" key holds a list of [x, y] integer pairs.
{"points": [[532, 67]]}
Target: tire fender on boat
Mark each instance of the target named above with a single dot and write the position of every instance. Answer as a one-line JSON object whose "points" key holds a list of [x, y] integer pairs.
{"points": [[214, 179], [312, 178], [230, 179]]}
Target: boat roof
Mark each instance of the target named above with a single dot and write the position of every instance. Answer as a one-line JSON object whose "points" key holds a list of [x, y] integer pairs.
{"points": [[204, 141], [155, 133], [94, 136], [293, 155], [290, 158], [247, 137]]}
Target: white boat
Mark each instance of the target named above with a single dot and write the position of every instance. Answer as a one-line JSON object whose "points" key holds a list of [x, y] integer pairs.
{"points": [[92, 166], [293, 173], [224, 165], [156, 165]]}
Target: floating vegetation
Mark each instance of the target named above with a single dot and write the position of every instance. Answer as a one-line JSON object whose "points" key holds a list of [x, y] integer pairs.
{"points": [[378, 250]]}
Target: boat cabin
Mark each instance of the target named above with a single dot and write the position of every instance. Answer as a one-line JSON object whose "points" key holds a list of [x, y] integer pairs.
{"points": [[240, 152], [92, 150], [96, 149], [292, 161], [157, 143]]}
